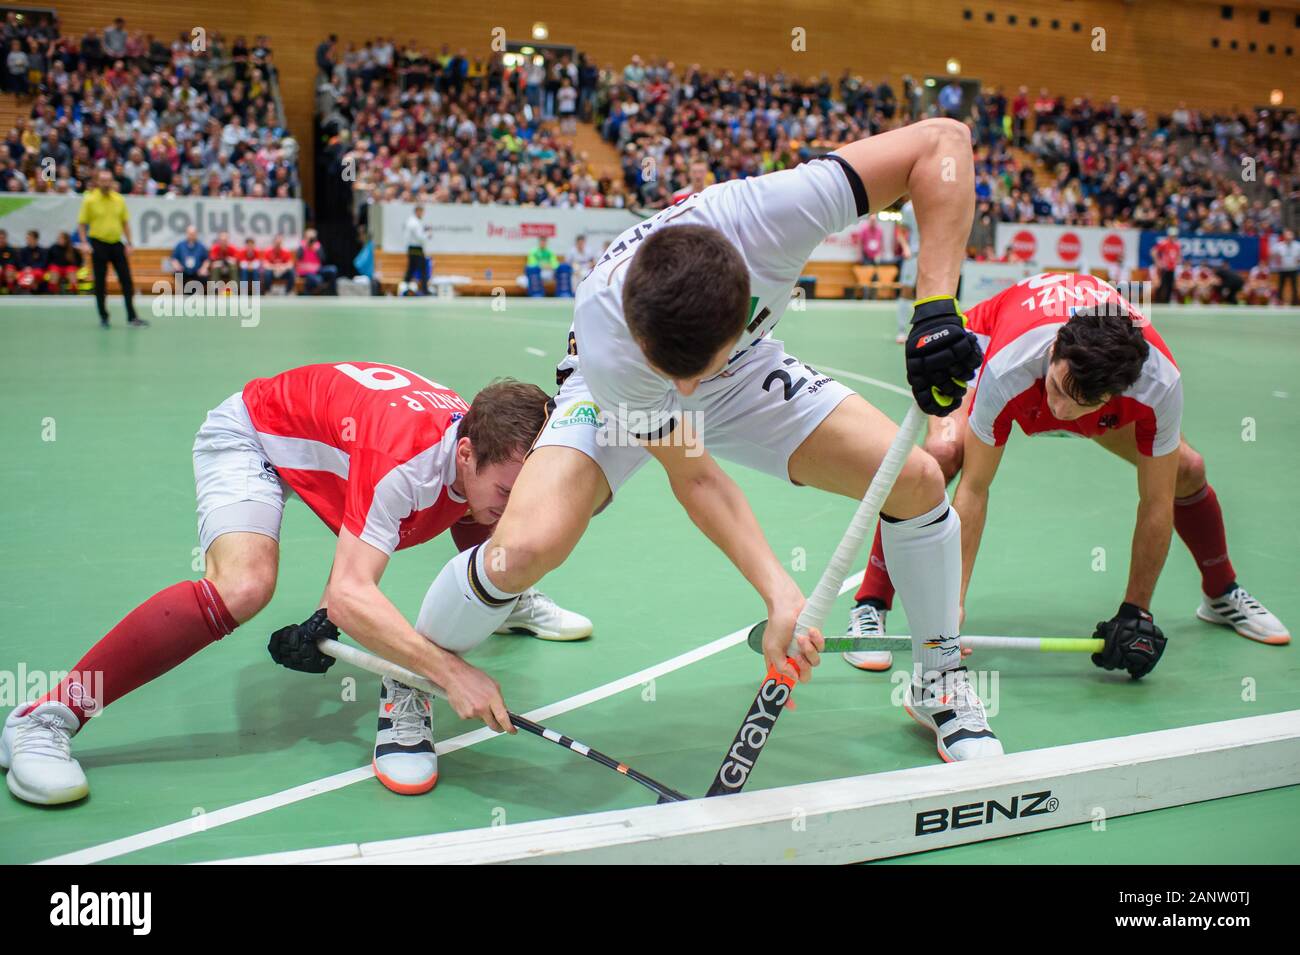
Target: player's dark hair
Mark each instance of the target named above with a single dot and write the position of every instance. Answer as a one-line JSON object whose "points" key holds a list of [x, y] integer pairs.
{"points": [[1104, 352], [503, 419], [685, 297]]}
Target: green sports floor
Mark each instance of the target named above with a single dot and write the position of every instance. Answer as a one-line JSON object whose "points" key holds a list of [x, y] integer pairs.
{"points": [[230, 755]]}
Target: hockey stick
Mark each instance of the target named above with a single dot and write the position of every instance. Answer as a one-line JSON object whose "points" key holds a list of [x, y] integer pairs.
{"points": [[846, 644], [776, 687], [378, 665]]}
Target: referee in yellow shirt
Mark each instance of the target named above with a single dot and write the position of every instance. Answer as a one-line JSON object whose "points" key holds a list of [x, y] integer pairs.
{"points": [[103, 215]]}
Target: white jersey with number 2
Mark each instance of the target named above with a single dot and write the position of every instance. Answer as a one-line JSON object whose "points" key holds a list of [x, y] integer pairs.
{"points": [[775, 221]]}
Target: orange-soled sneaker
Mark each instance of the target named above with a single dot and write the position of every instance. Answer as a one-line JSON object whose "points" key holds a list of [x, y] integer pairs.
{"points": [[949, 707], [1242, 612], [867, 620], [405, 760]]}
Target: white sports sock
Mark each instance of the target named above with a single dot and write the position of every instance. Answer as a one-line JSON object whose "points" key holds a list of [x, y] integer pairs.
{"points": [[924, 557], [463, 607]]}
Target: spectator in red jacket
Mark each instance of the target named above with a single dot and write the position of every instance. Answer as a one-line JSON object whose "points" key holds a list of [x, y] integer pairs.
{"points": [[1166, 256], [223, 259], [279, 265], [252, 265]]}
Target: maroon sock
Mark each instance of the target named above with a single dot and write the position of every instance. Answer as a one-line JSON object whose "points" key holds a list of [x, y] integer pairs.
{"points": [[467, 533], [1198, 520], [876, 584], [167, 629]]}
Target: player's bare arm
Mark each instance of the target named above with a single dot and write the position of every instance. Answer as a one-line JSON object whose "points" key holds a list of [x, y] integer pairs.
{"points": [[1157, 479], [971, 500], [719, 509], [358, 607], [932, 162]]}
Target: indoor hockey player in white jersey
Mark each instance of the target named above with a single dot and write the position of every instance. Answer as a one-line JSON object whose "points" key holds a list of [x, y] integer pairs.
{"points": [[670, 357]]}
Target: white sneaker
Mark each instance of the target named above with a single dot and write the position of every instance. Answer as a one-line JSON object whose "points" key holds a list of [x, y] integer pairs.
{"points": [[950, 708], [868, 621], [1242, 612], [405, 760], [540, 616], [36, 748]]}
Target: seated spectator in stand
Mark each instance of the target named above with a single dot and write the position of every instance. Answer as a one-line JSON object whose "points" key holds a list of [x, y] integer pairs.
{"points": [[252, 266], [581, 259], [223, 260], [317, 277], [871, 241], [279, 265], [190, 261], [65, 260], [1206, 281], [1184, 283], [1259, 286], [32, 263], [1229, 282], [539, 267], [8, 263]]}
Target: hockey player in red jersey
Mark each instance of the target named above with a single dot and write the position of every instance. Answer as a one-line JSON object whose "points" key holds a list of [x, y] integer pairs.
{"points": [[387, 459], [1065, 353]]}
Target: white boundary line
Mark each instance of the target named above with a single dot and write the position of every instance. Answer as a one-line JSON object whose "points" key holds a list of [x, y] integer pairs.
{"points": [[886, 814], [853, 375], [254, 807]]}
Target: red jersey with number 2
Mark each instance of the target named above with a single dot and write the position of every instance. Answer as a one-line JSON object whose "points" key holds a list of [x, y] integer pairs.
{"points": [[1018, 327], [367, 446]]}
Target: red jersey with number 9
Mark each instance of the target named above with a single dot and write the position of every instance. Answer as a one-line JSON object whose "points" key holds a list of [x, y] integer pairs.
{"points": [[367, 446]]}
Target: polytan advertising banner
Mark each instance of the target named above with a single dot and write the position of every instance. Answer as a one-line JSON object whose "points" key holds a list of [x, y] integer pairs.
{"points": [[1068, 247], [159, 222], [457, 229], [1240, 252]]}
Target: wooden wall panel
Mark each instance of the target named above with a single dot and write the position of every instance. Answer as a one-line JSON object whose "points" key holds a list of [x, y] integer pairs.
{"points": [[1157, 51]]}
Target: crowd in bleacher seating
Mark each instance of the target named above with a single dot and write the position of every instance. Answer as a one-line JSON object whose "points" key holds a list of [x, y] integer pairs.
{"points": [[1107, 166], [408, 125], [451, 128], [411, 126], [194, 117], [1197, 171]]}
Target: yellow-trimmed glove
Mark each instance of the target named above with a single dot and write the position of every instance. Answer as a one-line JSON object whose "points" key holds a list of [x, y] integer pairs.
{"points": [[941, 355]]}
